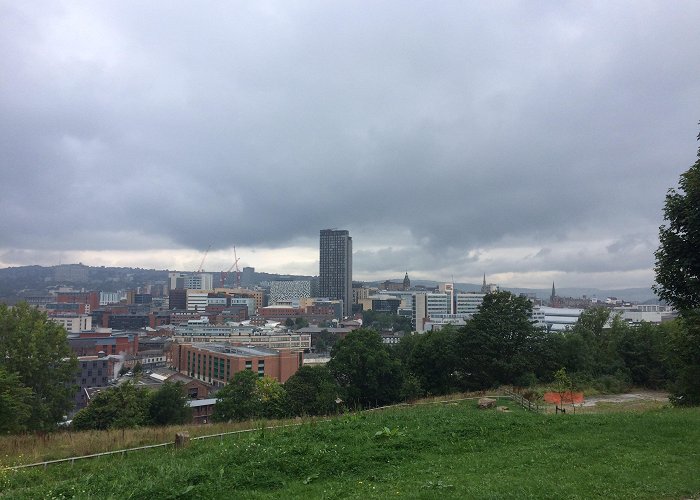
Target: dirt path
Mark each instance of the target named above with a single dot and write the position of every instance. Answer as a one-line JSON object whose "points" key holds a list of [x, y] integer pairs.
{"points": [[626, 398]]}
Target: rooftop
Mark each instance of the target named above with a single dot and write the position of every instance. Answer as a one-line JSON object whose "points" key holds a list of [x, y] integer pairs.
{"points": [[234, 350], [201, 402]]}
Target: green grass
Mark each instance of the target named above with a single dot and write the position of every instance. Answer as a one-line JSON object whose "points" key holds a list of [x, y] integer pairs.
{"points": [[430, 451]]}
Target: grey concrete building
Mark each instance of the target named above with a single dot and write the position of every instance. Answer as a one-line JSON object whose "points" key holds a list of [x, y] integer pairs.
{"points": [[335, 270]]}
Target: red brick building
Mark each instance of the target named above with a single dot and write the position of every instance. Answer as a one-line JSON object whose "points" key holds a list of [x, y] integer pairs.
{"points": [[280, 312], [90, 344], [91, 299], [216, 363]]}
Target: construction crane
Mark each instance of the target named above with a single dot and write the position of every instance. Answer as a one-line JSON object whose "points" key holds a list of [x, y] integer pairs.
{"points": [[238, 273], [201, 264]]}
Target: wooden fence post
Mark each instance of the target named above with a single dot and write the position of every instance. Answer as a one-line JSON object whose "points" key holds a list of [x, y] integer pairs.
{"points": [[182, 439]]}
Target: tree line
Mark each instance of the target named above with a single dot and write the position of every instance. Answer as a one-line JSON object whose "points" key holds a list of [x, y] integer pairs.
{"points": [[499, 346]]}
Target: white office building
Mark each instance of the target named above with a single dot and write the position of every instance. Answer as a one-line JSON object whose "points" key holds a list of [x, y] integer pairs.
{"points": [[199, 281], [426, 305], [197, 300], [107, 298], [468, 304], [73, 323]]}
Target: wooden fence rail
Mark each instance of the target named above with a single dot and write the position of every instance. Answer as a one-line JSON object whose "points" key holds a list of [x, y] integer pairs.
{"points": [[526, 403]]}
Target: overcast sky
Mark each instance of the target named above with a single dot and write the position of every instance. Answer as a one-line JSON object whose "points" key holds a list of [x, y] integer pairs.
{"points": [[531, 141]]}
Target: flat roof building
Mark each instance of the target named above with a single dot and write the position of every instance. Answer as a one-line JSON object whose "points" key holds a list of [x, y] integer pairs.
{"points": [[216, 363], [335, 267]]}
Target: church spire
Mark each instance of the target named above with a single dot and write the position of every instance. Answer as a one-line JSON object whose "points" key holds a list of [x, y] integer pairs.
{"points": [[484, 287]]}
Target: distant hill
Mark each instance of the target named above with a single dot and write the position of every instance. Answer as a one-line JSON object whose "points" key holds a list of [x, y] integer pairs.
{"points": [[22, 281]]}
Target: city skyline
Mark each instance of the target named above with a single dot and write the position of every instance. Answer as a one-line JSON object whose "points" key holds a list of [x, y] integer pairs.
{"points": [[531, 142]]}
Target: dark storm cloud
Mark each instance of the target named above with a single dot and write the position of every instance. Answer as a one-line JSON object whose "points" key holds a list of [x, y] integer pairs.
{"points": [[130, 125]]}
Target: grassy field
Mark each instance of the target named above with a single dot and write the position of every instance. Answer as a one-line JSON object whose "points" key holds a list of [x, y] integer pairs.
{"points": [[28, 448], [430, 451]]}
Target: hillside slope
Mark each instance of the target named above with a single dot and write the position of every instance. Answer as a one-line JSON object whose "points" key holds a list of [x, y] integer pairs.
{"points": [[451, 450]]}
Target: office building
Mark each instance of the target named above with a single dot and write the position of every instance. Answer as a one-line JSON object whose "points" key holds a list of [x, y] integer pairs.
{"points": [[217, 363], [428, 305], [335, 271], [469, 303]]}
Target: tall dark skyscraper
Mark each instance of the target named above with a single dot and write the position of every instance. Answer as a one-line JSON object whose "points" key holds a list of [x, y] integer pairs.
{"points": [[335, 272]]}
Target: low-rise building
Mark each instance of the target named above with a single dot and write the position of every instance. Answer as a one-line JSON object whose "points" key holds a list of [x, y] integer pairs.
{"points": [[93, 371], [381, 303], [468, 304], [216, 363], [649, 313], [90, 344], [556, 318], [202, 410], [73, 323]]}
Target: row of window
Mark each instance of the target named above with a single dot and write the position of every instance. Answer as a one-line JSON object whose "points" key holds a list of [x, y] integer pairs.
{"points": [[212, 367]]}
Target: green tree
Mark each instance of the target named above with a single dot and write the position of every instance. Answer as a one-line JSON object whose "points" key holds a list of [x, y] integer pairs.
{"points": [[168, 405], [272, 396], [365, 369], [433, 359], [500, 345], [678, 279], [564, 387], [598, 350], [118, 407], [36, 350], [591, 322], [301, 323], [239, 399], [645, 352], [591, 354], [685, 347], [562, 384], [15, 403], [312, 391], [324, 340], [677, 258], [382, 321]]}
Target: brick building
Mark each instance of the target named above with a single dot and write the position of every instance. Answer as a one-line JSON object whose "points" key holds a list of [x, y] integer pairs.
{"points": [[216, 363], [91, 299], [91, 344], [202, 410]]}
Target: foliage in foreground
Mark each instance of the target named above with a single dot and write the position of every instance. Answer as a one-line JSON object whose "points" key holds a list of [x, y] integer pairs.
{"points": [[678, 279], [677, 258], [451, 450], [37, 369], [127, 406]]}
